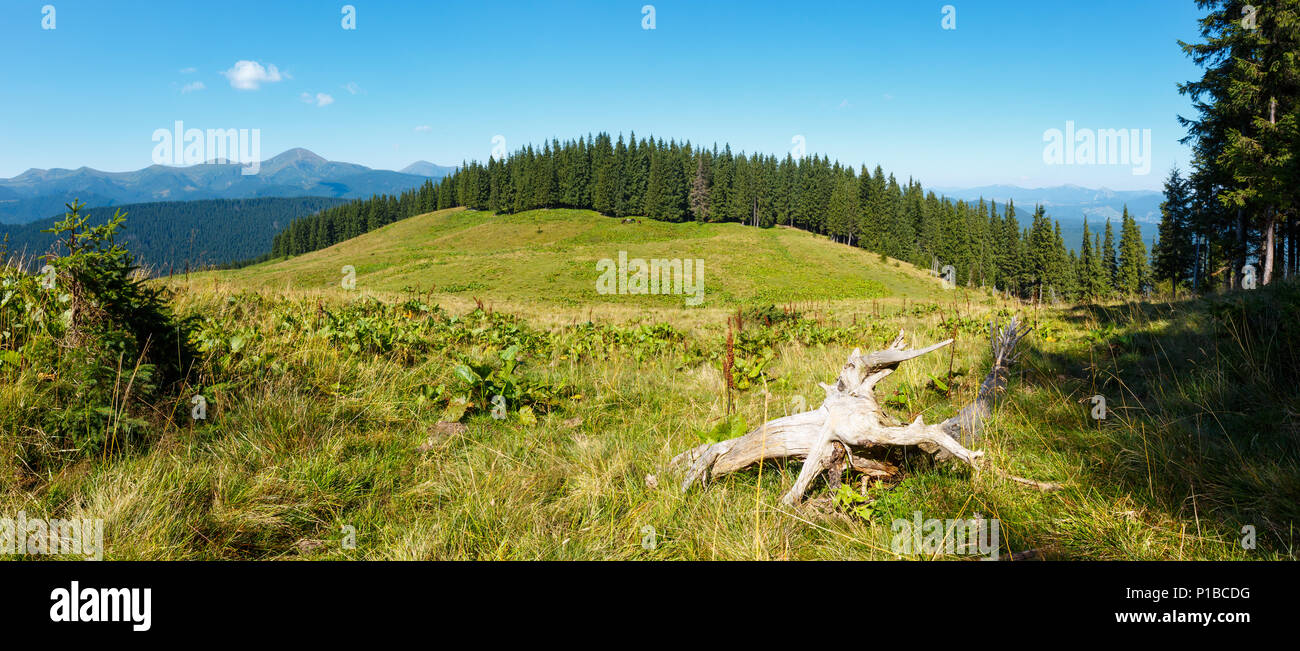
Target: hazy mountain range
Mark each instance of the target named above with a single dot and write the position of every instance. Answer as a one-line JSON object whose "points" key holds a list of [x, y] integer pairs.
{"points": [[1068, 204], [37, 194], [425, 168]]}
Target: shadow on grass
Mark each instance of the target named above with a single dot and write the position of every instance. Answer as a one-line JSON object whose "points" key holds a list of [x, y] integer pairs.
{"points": [[1203, 401]]}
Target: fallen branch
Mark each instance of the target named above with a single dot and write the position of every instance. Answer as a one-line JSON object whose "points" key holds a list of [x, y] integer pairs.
{"points": [[850, 421], [1045, 486]]}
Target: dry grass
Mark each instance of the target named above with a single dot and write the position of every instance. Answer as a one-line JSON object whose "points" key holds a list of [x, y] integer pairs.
{"points": [[313, 438]]}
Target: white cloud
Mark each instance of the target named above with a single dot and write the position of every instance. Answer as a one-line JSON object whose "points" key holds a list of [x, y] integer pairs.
{"points": [[424, 128], [189, 71], [353, 88], [250, 75], [192, 86], [319, 99]]}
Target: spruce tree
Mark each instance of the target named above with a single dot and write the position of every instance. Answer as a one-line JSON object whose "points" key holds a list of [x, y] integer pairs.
{"points": [[1133, 272], [699, 199], [1108, 259], [843, 210], [1011, 253], [1173, 254], [1092, 275]]}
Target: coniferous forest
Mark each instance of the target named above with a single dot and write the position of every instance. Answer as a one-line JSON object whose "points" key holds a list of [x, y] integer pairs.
{"points": [[986, 243], [173, 236], [1232, 219]]}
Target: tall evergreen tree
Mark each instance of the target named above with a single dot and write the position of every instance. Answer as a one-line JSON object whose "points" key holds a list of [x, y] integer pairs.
{"points": [[843, 209], [1174, 254], [1244, 170], [1133, 273], [1011, 254], [1092, 275], [1108, 259], [1040, 254], [699, 199]]}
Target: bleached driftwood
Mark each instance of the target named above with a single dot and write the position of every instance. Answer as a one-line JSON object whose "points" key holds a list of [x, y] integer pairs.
{"points": [[850, 421]]}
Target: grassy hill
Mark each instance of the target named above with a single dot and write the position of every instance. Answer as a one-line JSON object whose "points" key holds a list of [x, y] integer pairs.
{"points": [[327, 408], [550, 256]]}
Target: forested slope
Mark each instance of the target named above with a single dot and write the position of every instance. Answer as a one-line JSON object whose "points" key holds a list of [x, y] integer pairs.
{"points": [[184, 234]]}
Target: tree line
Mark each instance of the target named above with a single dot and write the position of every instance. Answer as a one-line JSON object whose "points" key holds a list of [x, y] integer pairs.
{"points": [[670, 181], [1232, 219]]}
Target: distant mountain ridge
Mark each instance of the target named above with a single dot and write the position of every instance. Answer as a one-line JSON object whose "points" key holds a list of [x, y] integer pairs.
{"points": [[1069, 203], [38, 193], [425, 168]]}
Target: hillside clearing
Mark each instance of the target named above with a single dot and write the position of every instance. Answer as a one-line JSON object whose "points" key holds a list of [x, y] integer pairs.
{"points": [[549, 257], [324, 407]]}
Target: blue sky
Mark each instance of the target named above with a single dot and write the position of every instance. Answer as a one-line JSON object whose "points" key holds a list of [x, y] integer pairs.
{"points": [[863, 82]]}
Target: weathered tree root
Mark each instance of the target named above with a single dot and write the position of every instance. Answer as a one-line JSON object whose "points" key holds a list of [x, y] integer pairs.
{"points": [[850, 421]]}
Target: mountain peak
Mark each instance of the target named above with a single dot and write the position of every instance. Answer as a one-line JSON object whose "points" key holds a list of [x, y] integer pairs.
{"points": [[297, 154], [297, 172], [425, 168]]}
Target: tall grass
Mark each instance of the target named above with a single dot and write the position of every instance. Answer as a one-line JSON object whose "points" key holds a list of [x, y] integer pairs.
{"points": [[306, 440]]}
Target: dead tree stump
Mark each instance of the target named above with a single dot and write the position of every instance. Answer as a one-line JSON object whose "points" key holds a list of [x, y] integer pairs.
{"points": [[850, 422]]}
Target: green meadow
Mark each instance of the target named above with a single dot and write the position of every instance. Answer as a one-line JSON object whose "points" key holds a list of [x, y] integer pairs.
{"points": [[360, 423], [549, 257]]}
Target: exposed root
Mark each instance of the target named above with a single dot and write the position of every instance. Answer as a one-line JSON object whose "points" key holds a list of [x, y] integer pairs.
{"points": [[850, 422]]}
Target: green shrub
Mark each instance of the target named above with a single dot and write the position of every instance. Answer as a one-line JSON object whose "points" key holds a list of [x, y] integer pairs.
{"points": [[96, 341]]}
